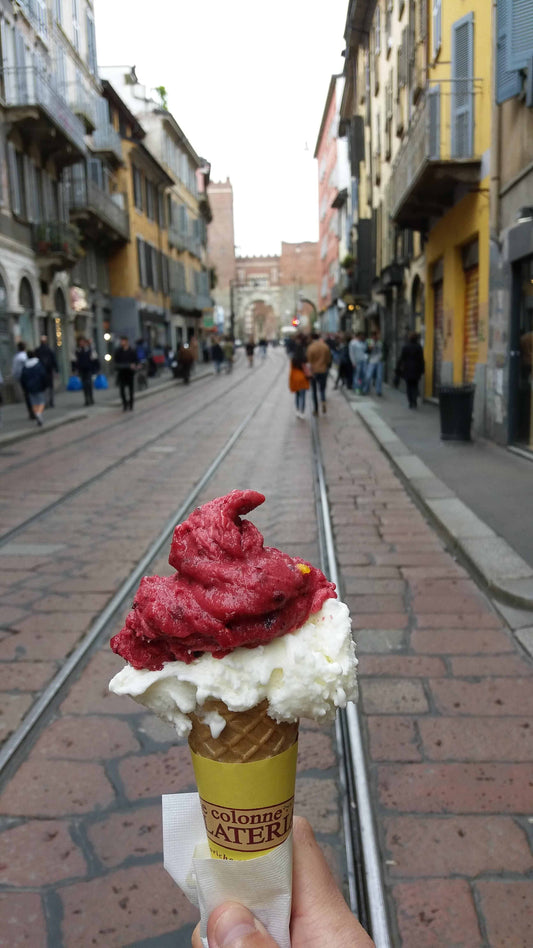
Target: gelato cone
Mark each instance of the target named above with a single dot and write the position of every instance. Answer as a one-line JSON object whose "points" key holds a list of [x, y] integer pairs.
{"points": [[233, 650], [245, 780]]}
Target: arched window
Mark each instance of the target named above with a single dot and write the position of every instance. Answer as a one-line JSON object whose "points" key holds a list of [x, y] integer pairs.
{"points": [[27, 304]]}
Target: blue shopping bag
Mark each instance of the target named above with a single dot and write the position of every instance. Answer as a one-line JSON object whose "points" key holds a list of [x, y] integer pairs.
{"points": [[101, 381], [74, 384]]}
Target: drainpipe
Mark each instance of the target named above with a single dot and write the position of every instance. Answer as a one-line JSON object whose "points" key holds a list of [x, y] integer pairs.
{"points": [[495, 142]]}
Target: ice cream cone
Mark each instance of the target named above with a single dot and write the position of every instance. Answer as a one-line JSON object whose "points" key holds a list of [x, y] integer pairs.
{"points": [[245, 779]]}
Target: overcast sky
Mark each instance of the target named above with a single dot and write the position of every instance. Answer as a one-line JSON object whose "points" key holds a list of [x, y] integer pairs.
{"points": [[247, 83]]}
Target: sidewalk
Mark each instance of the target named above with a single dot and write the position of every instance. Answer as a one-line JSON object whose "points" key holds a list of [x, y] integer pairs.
{"points": [[477, 494], [69, 406]]}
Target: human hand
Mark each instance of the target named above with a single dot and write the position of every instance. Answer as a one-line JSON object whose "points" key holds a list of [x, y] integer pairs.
{"points": [[319, 914]]}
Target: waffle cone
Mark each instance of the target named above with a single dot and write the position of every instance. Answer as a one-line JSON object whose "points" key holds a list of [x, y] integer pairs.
{"points": [[248, 735], [245, 779]]}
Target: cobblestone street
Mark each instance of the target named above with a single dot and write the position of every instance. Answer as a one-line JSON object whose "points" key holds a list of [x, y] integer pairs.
{"points": [[445, 688]]}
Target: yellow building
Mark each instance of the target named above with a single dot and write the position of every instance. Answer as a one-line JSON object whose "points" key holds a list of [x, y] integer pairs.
{"points": [[441, 188], [139, 270]]}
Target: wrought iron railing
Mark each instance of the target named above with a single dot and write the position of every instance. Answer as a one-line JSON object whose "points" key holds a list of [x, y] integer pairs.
{"points": [[31, 86], [56, 237], [84, 194], [106, 139], [442, 129]]}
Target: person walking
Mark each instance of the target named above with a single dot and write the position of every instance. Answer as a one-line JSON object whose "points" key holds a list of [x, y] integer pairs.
{"points": [[34, 380], [46, 357], [19, 360], [126, 363], [345, 370], [298, 375], [250, 348], [217, 355], [85, 364], [374, 368], [411, 367], [357, 354], [229, 353], [319, 358], [185, 363]]}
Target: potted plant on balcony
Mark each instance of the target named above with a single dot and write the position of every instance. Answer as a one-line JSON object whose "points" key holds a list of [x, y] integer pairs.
{"points": [[348, 263], [42, 239]]}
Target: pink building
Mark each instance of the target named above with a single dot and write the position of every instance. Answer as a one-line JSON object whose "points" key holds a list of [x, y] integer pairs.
{"points": [[332, 177]]}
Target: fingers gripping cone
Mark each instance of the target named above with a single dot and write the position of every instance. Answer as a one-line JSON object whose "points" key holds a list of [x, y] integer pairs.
{"points": [[245, 780]]}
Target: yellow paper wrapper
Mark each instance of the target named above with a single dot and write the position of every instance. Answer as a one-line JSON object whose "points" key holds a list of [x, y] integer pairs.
{"points": [[245, 780]]}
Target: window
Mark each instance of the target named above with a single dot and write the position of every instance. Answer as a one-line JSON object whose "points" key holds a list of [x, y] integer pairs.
{"points": [[463, 87], [150, 200], [91, 44], [137, 188], [58, 13], [508, 80], [436, 28], [76, 24], [141, 262], [15, 185], [377, 31]]}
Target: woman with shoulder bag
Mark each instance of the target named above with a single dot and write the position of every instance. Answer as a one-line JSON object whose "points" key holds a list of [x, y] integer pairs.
{"points": [[298, 377]]}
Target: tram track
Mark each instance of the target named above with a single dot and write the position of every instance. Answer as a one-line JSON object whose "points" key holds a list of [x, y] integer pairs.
{"points": [[10, 535], [365, 888]]}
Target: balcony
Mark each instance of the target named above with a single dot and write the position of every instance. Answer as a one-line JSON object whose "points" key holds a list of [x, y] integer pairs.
{"points": [[56, 245], [437, 158], [96, 213], [181, 301], [83, 105], [203, 302], [42, 115], [107, 142]]}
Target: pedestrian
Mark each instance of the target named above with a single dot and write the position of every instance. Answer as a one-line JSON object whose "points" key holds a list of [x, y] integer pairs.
{"points": [[319, 358], [250, 348], [345, 370], [185, 362], [33, 380], [85, 363], [357, 353], [217, 355], [126, 364], [229, 353], [47, 358], [411, 367], [374, 368], [19, 361], [263, 347], [299, 375]]}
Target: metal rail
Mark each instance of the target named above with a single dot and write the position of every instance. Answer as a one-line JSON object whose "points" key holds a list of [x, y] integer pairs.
{"points": [[20, 736], [352, 749]]}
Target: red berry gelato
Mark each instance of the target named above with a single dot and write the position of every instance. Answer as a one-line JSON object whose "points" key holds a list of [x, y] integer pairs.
{"points": [[229, 590]]}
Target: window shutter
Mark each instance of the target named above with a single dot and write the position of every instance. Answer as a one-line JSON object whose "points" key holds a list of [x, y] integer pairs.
{"points": [[462, 87], [91, 44], [29, 188], [14, 185], [436, 28], [519, 33], [508, 82], [155, 269], [434, 121], [141, 261]]}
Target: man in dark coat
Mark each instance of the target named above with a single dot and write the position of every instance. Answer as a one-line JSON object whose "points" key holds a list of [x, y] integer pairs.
{"points": [[126, 363], [411, 367], [85, 364], [46, 357]]}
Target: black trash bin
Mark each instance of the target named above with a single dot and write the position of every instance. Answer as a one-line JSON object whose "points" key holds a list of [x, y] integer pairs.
{"points": [[456, 403]]}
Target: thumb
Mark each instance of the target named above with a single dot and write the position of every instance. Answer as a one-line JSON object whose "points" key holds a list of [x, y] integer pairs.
{"points": [[232, 925]]}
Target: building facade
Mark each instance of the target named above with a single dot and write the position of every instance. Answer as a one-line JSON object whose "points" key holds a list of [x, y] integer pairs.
{"points": [[221, 252], [333, 229]]}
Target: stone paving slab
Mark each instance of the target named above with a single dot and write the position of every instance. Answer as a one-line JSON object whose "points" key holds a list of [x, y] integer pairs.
{"points": [[446, 700]]}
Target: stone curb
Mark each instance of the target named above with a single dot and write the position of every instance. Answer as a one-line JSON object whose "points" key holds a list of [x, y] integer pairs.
{"points": [[12, 436], [495, 564], [19, 435]]}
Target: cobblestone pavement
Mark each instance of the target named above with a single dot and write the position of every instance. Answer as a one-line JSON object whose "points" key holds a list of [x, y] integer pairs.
{"points": [[446, 692]]}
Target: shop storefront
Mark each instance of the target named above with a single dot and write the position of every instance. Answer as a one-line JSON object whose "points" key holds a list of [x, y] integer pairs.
{"points": [[521, 355]]}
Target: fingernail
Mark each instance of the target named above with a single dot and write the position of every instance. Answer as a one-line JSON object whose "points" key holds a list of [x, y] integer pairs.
{"points": [[234, 923]]}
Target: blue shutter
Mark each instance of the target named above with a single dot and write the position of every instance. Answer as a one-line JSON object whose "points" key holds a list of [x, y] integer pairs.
{"points": [[434, 121], [508, 82], [519, 33], [463, 87]]}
